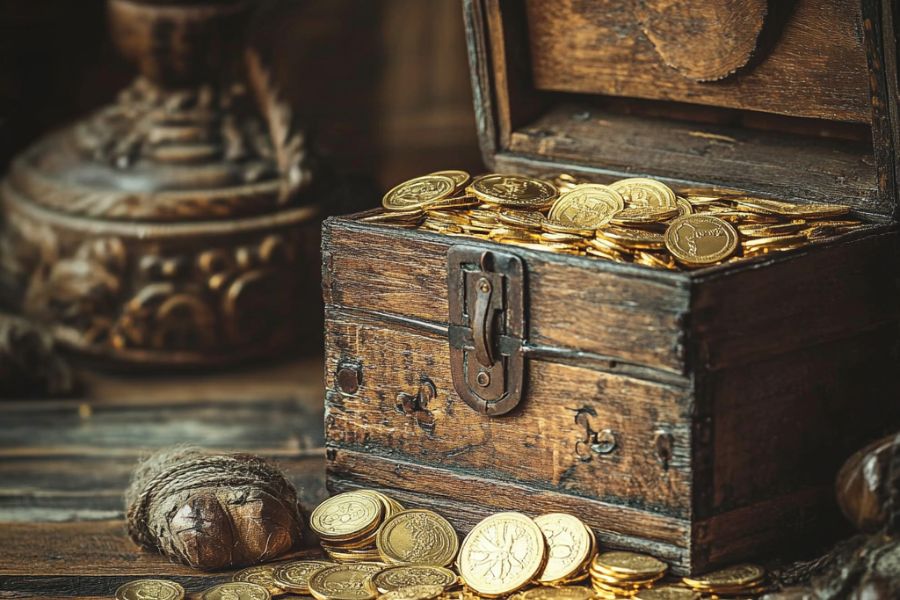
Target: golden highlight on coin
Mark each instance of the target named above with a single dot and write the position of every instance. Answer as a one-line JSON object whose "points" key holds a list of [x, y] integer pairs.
{"points": [[514, 191], [418, 192], [417, 537], [701, 239], [587, 206], [263, 575], [569, 547], [395, 578], [236, 590], [501, 554], [293, 577], [414, 592], [344, 582], [159, 589]]}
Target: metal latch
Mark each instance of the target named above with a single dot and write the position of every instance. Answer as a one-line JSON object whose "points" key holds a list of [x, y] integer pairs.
{"points": [[486, 327]]}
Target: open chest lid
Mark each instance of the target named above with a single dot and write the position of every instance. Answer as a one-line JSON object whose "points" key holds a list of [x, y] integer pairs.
{"points": [[796, 101]]}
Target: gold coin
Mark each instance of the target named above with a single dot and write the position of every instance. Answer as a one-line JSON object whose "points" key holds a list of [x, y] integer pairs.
{"points": [[640, 192], [522, 218], [587, 206], [263, 575], [294, 576], [418, 537], [414, 592], [502, 554], [701, 239], [684, 207], [344, 582], [514, 191], [568, 546], [667, 592], [629, 564], [418, 192], [236, 590], [346, 516], [460, 178], [634, 238], [575, 592], [737, 575], [639, 215], [157, 589], [395, 578]]}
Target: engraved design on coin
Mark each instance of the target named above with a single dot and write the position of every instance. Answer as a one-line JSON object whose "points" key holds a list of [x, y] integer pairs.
{"points": [[645, 193], [418, 536], [568, 545], [395, 578], [514, 190], [150, 589], [701, 239], [418, 192], [414, 592], [345, 514], [343, 582], [589, 205], [238, 590], [294, 576], [501, 554]]}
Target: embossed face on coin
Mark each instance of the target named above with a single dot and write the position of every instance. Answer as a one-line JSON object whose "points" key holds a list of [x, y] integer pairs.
{"points": [[701, 239], [395, 578], [514, 191], [501, 554], [640, 192], [236, 591], [150, 589], [345, 515], [418, 192], [589, 206], [344, 582], [418, 536], [414, 592], [294, 576], [568, 545]]}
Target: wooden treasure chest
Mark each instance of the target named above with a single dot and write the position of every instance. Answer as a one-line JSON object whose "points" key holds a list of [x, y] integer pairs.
{"points": [[699, 415]]}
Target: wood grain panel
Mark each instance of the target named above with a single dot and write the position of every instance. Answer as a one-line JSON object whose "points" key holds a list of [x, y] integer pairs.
{"points": [[534, 444], [627, 313], [810, 62], [465, 500]]}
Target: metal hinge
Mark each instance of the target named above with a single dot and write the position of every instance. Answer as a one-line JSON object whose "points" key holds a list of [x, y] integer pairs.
{"points": [[486, 328]]}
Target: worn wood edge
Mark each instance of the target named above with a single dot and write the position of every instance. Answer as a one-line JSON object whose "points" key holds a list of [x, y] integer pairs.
{"points": [[362, 466], [480, 74], [438, 331]]}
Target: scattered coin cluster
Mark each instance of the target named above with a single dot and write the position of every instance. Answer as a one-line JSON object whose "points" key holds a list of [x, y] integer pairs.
{"points": [[638, 220], [416, 555]]}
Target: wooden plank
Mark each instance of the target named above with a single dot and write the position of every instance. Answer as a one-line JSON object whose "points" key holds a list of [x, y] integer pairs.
{"points": [[464, 500], [541, 443], [87, 559], [811, 62], [627, 313], [580, 136]]}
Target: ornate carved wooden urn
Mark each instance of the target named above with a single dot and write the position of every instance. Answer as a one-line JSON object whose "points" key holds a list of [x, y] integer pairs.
{"points": [[170, 227]]}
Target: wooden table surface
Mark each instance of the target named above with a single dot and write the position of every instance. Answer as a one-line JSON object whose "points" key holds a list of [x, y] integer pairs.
{"points": [[64, 465]]}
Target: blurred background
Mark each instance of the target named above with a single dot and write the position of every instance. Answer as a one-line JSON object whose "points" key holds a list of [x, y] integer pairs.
{"points": [[381, 85]]}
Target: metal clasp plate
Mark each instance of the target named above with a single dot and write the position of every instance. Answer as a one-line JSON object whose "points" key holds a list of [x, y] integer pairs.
{"points": [[486, 327]]}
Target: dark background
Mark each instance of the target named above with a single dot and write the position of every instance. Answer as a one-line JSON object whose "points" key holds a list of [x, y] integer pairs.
{"points": [[382, 85]]}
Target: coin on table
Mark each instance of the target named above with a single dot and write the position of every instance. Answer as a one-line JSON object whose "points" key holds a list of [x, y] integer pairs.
{"points": [[395, 578], [414, 592], [629, 565], [155, 589], [734, 576], [572, 592], [418, 192], [294, 576], [667, 592], [417, 537], [701, 239], [502, 554], [460, 178], [587, 206], [641, 192], [236, 590], [263, 575], [346, 516], [344, 582], [568, 546], [514, 191]]}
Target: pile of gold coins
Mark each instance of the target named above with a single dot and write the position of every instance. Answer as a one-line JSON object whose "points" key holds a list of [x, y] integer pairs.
{"points": [[416, 555], [638, 220]]}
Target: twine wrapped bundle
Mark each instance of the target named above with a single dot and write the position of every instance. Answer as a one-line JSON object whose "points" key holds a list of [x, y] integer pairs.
{"points": [[212, 511]]}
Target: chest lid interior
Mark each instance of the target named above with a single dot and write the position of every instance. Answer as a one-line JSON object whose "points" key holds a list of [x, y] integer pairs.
{"points": [[796, 100]]}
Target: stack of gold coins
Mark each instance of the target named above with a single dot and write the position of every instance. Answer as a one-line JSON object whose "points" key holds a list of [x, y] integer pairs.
{"points": [[738, 580], [348, 524], [417, 537], [571, 546], [624, 574], [294, 576], [639, 220]]}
